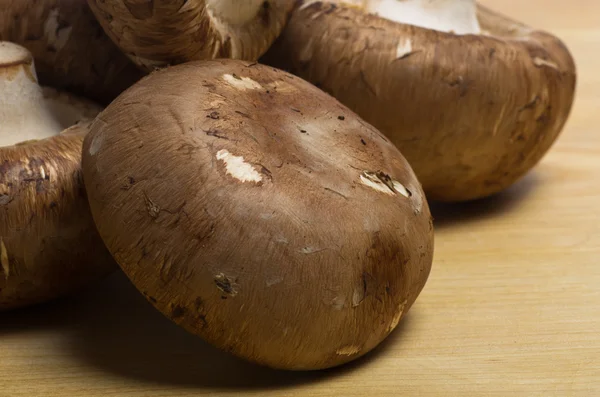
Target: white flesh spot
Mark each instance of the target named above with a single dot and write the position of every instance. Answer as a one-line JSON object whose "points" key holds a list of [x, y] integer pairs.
{"points": [[56, 36], [28, 111], [358, 296], [281, 240], [537, 61], [401, 189], [350, 350], [373, 181], [404, 48], [242, 83], [273, 281], [96, 144], [338, 302], [376, 184], [397, 316], [457, 16], [235, 12], [238, 168], [4, 259]]}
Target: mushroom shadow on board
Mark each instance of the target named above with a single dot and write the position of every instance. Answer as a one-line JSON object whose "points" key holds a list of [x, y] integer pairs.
{"points": [[447, 214], [126, 336], [119, 332], [113, 329]]}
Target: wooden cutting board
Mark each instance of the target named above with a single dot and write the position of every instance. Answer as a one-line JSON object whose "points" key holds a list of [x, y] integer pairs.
{"points": [[512, 307]]}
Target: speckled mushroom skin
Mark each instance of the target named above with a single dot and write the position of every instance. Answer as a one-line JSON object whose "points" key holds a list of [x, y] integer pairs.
{"points": [[48, 243], [160, 32], [70, 49], [257, 212], [472, 114]]}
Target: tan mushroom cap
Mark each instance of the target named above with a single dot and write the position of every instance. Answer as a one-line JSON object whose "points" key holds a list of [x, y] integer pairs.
{"points": [[472, 113], [161, 32], [257, 212], [48, 243], [70, 48]]}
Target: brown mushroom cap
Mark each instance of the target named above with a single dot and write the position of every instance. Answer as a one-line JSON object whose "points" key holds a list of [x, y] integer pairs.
{"points": [[71, 50], [48, 243], [162, 32], [472, 113], [257, 212]]}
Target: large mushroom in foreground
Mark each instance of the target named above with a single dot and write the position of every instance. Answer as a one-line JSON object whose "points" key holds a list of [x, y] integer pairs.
{"points": [[472, 99], [165, 32], [70, 49], [48, 243], [257, 212]]}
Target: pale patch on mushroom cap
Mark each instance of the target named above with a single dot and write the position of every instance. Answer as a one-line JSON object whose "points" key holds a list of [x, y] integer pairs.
{"points": [[238, 168], [243, 83], [56, 35], [349, 350]]}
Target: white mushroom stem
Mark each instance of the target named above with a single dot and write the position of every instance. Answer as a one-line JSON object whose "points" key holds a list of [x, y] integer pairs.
{"points": [[235, 12], [456, 16], [28, 111]]}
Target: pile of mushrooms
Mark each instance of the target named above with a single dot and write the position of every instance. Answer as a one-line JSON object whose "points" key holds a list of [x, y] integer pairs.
{"points": [[253, 185]]}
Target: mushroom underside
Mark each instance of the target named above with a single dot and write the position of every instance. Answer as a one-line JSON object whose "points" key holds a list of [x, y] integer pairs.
{"points": [[456, 16]]}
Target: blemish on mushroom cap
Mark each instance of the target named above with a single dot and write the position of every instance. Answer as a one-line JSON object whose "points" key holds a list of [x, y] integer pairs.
{"points": [[55, 32], [383, 183], [349, 350], [4, 259], [238, 168], [274, 280], [404, 48], [241, 83], [397, 316], [225, 284], [96, 144], [539, 62]]}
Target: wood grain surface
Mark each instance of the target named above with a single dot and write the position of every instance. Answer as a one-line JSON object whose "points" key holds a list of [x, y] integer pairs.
{"points": [[512, 307]]}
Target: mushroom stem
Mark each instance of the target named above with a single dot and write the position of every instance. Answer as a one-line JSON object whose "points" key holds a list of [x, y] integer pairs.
{"points": [[27, 110], [23, 113], [235, 12], [158, 33], [456, 16]]}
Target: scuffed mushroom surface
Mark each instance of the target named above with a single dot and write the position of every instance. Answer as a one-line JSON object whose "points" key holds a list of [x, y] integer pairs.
{"points": [[257, 212]]}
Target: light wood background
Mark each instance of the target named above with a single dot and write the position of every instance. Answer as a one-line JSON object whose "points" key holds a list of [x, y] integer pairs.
{"points": [[512, 307]]}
